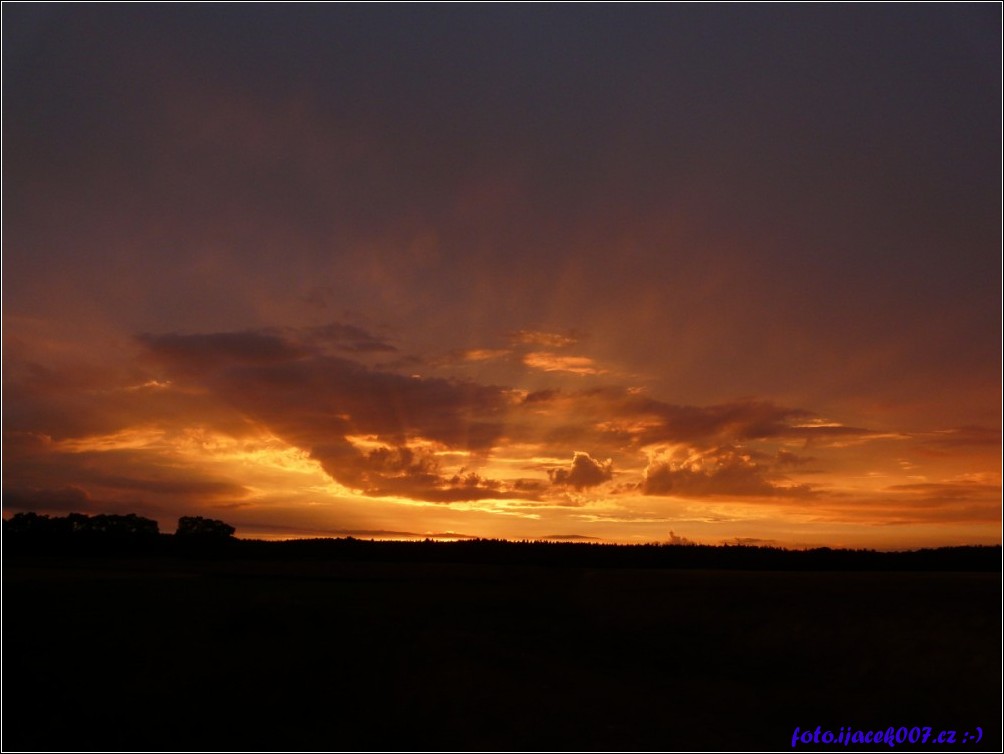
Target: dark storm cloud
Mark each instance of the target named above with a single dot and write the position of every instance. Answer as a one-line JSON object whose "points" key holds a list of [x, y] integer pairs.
{"points": [[584, 471], [331, 394], [344, 120], [203, 351], [179, 165], [404, 472], [270, 377], [317, 402], [628, 418]]}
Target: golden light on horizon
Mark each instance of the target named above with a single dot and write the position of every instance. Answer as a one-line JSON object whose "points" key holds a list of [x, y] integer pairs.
{"points": [[699, 488]]}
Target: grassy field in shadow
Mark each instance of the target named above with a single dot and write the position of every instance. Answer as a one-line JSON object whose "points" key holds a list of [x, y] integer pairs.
{"points": [[154, 653]]}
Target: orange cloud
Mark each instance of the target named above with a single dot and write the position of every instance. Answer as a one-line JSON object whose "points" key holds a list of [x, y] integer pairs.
{"points": [[484, 354], [542, 338], [550, 362], [722, 471], [584, 471], [623, 417]]}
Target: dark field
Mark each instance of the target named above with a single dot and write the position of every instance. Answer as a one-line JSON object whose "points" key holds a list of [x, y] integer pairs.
{"points": [[161, 653]]}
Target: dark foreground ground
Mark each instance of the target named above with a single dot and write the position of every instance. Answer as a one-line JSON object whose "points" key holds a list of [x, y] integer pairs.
{"points": [[197, 653]]}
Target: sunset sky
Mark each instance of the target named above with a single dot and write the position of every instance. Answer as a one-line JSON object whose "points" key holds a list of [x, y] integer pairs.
{"points": [[707, 273]]}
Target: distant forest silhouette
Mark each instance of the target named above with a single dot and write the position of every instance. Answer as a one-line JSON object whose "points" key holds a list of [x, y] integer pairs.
{"points": [[107, 534]]}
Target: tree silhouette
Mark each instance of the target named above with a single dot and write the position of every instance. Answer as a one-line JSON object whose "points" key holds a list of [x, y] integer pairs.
{"points": [[80, 525], [105, 525], [31, 524], [206, 528]]}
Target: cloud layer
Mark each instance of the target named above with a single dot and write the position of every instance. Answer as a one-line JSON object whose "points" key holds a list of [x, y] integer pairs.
{"points": [[584, 471], [227, 420]]}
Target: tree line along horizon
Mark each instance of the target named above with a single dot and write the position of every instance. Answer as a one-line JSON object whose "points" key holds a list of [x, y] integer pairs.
{"points": [[128, 525], [31, 534]]}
